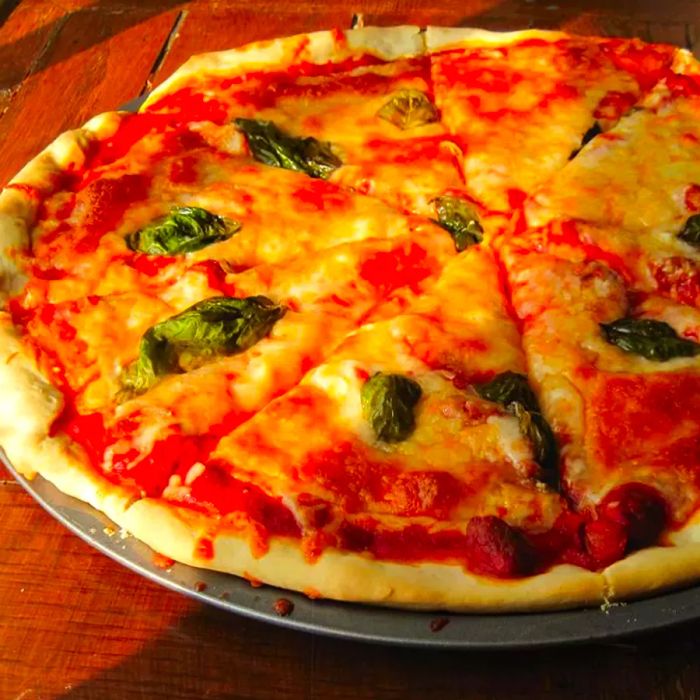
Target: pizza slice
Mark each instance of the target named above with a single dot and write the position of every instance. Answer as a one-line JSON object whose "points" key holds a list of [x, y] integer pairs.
{"points": [[617, 374], [641, 176], [521, 105], [630, 198]]}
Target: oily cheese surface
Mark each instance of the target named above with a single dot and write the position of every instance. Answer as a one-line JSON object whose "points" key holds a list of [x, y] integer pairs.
{"points": [[435, 210]]}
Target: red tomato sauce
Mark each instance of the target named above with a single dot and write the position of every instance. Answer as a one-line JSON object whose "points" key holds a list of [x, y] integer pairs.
{"points": [[216, 276], [109, 199], [692, 198], [568, 234], [218, 490], [614, 104], [187, 105], [678, 278], [322, 196], [405, 267], [647, 63], [410, 151], [648, 418], [303, 68], [270, 92]]}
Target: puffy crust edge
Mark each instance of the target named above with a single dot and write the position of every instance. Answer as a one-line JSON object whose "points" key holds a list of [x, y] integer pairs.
{"points": [[29, 402], [28, 407], [347, 576], [387, 43], [658, 568], [444, 38], [653, 570], [36, 181]]}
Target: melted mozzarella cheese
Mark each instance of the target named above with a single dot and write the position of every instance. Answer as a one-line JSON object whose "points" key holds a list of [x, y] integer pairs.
{"points": [[634, 177]]}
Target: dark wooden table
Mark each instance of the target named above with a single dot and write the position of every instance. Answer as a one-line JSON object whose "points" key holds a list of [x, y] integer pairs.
{"points": [[73, 624]]}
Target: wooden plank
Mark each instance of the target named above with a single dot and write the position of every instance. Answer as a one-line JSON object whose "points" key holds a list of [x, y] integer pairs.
{"points": [[675, 33], [673, 10], [481, 13], [582, 16], [58, 601], [693, 38], [207, 27], [22, 38], [97, 62], [5, 476]]}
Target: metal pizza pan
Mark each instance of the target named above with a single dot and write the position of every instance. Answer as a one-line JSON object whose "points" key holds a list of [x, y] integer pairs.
{"points": [[361, 622]]}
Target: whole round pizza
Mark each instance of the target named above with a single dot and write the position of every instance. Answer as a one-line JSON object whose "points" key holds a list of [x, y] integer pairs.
{"points": [[395, 315]]}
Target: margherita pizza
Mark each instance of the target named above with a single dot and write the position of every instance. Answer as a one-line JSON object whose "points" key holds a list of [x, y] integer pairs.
{"points": [[394, 315]]}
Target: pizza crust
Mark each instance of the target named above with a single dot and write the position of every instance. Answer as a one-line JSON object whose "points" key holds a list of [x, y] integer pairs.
{"points": [[658, 568], [174, 532], [653, 570], [29, 406], [444, 38], [37, 180], [346, 576], [386, 43]]}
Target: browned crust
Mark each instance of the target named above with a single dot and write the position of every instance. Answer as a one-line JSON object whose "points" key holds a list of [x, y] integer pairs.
{"points": [[175, 532]]}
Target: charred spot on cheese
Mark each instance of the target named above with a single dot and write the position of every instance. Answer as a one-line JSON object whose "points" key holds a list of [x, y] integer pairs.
{"points": [[407, 109], [588, 136], [690, 233], [388, 403], [272, 146], [183, 230], [459, 218], [512, 391], [654, 340], [209, 329]]}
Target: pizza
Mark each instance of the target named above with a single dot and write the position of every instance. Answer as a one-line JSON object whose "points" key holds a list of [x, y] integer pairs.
{"points": [[405, 316]]}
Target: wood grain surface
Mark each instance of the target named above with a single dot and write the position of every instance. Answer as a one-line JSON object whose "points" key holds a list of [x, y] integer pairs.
{"points": [[74, 624]]}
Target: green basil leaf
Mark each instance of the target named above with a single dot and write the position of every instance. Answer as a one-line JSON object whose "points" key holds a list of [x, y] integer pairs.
{"points": [[690, 233], [655, 340], [407, 109], [183, 230], [536, 429], [513, 392], [588, 136], [272, 146], [209, 329], [459, 218], [388, 401], [507, 388]]}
